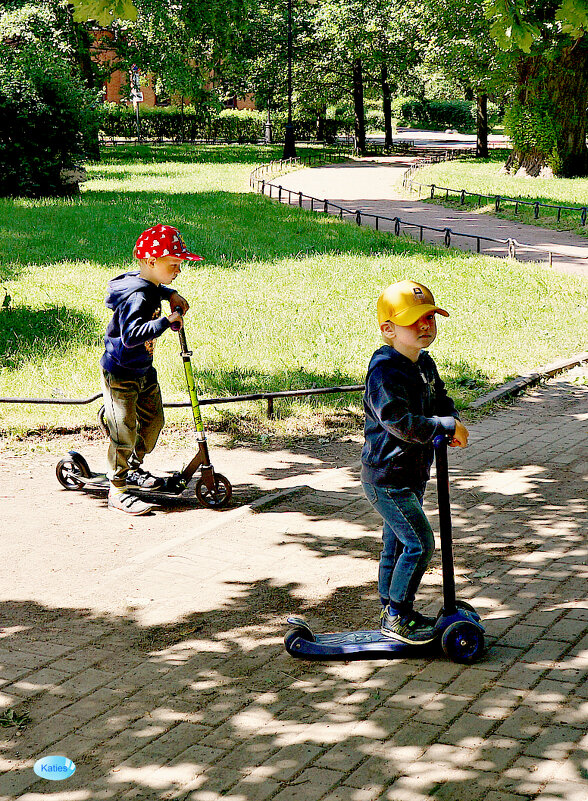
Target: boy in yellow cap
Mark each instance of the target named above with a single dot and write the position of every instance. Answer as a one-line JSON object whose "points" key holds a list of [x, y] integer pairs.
{"points": [[406, 407]]}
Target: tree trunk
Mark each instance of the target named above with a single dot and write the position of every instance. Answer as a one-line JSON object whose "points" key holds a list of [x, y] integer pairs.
{"points": [[482, 126], [386, 107], [321, 116], [358, 107], [557, 92]]}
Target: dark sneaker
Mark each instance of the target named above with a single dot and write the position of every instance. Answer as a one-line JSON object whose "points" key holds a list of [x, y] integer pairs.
{"points": [[411, 627], [141, 478], [130, 504]]}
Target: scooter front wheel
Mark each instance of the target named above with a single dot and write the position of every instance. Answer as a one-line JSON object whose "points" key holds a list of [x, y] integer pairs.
{"points": [[463, 642], [71, 466], [217, 496]]}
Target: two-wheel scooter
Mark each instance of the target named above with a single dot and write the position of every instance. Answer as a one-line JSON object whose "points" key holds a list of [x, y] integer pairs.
{"points": [[212, 489]]}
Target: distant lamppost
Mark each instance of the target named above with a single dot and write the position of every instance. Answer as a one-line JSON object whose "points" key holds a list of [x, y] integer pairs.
{"points": [[289, 140]]}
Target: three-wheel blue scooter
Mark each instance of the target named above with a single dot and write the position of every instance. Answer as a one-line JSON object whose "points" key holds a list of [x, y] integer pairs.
{"points": [[458, 627]]}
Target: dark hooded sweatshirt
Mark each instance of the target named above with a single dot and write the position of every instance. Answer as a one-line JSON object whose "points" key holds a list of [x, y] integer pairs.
{"points": [[136, 322], [406, 406]]}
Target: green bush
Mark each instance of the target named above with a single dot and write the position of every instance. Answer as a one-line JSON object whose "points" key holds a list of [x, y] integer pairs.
{"points": [[47, 124], [119, 121], [433, 114]]}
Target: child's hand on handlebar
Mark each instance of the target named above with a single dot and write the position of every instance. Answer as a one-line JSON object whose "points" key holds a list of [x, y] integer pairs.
{"points": [[460, 436], [175, 299], [175, 320]]}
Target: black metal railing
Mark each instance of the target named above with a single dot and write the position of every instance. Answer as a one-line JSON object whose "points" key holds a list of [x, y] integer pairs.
{"points": [[283, 194], [497, 200]]}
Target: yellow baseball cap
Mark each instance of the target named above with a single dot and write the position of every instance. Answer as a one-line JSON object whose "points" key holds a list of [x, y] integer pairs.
{"points": [[405, 302]]}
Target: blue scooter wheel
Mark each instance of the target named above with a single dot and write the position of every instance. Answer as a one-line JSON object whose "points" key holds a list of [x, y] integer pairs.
{"points": [[294, 635], [463, 642]]}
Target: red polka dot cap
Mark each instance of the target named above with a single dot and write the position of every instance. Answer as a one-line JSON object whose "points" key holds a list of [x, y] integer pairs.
{"points": [[163, 240]]}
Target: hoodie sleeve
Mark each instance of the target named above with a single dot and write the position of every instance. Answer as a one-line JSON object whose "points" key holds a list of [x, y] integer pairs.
{"points": [[136, 323], [166, 291], [389, 400]]}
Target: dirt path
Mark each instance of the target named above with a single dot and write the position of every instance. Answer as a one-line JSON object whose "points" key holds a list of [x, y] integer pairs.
{"points": [[374, 185]]}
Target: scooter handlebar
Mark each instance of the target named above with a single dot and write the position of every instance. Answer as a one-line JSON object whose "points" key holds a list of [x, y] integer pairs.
{"points": [[176, 325], [441, 439]]}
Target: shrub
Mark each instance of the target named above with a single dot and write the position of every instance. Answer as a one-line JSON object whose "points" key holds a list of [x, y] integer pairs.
{"points": [[47, 123], [433, 114]]}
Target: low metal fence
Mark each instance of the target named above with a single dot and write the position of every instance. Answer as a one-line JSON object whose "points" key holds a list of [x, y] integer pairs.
{"points": [[498, 200], [270, 397], [283, 194]]}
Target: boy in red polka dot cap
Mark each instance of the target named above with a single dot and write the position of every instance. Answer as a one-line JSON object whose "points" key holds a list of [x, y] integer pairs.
{"points": [[132, 397]]}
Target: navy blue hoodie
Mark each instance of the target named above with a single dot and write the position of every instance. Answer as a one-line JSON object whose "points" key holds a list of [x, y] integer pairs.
{"points": [[135, 323], [406, 406]]}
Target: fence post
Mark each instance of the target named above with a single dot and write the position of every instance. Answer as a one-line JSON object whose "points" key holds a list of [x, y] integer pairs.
{"points": [[497, 203], [270, 407], [583, 217], [536, 212], [341, 213], [477, 244], [280, 193], [326, 207], [432, 190], [397, 226], [358, 217], [300, 199], [447, 237], [512, 251], [421, 234], [462, 198], [263, 187], [377, 223], [516, 211]]}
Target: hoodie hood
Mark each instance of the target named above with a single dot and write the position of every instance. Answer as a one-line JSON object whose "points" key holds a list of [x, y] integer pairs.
{"points": [[123, 286]]}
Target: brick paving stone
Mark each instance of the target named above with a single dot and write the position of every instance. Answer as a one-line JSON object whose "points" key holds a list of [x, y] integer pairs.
{"points": [[347, 793], [524, 723], [468, 730], [556, 791], [471, 683], [497, 703], [376, 771]]}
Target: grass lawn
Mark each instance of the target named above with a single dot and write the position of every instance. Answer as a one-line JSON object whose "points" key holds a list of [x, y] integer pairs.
{"points": [[483, 175], [285, 298]]}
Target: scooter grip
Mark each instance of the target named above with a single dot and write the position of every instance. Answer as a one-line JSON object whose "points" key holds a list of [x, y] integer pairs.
{"points": [[441, 439], [176, 325]]}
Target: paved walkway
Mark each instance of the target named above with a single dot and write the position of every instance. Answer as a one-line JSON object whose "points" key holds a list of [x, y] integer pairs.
{"points": [[185, 690], [374, 186]]}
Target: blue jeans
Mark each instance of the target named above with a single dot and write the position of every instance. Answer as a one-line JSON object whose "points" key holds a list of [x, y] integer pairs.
{"points": [[408, 543]]}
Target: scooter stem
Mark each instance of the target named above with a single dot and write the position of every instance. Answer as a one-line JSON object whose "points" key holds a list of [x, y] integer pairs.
{"points": [[449, 605]]}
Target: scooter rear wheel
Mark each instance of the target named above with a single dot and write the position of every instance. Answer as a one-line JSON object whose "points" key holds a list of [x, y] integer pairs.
{"points": [[295, 634], [217, 496], [71, 466], [463, 642]]}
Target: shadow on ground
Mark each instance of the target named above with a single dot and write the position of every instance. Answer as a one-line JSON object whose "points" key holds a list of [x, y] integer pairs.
{"points": [[210, 706]]}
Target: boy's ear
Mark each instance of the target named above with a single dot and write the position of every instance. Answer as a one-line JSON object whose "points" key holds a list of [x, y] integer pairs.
{"points": [[387, 328]]}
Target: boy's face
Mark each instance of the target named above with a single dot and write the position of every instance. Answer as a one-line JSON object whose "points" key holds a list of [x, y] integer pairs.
{"points": [[164, 269], [411, 339]]}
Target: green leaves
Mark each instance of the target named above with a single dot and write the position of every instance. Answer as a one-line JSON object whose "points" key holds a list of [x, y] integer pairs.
{"points": [[104, 11], [510, 27], [516, 27], [573, 17]]}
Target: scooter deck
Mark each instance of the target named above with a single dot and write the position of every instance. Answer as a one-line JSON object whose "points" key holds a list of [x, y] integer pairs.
{"points": [[302, 643], [98, 482]]}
